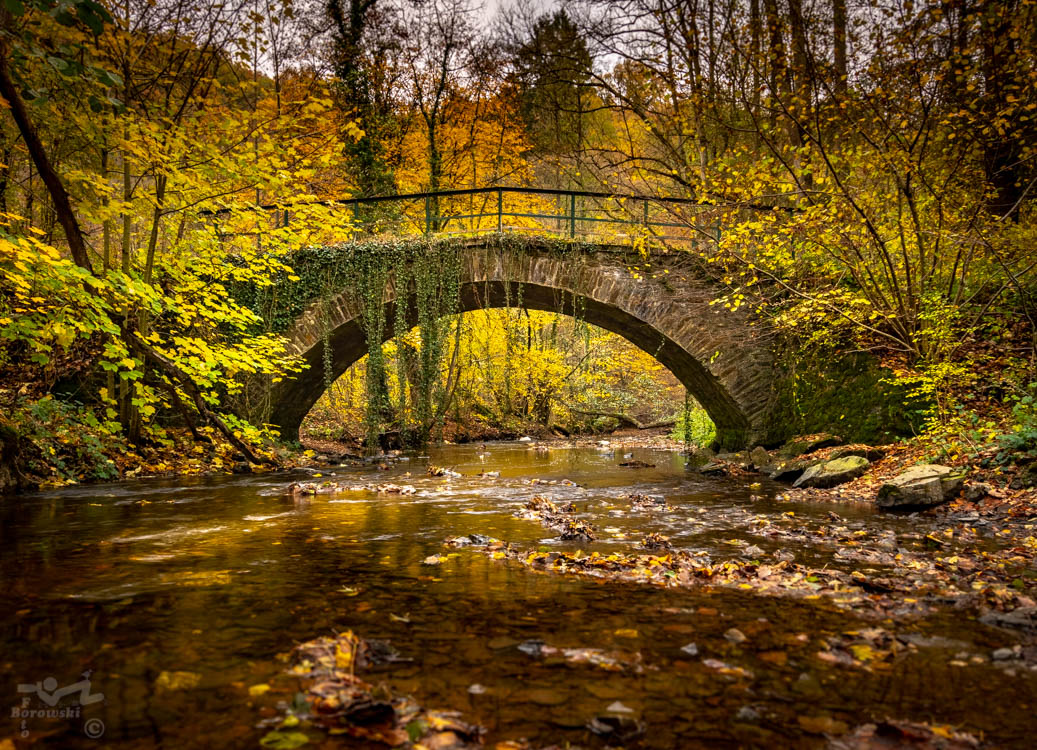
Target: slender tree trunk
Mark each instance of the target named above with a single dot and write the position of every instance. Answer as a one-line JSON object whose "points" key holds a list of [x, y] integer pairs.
{"points": [[58, 195], [1003, 158], [127, 411], [800, 86], [5, 176], [435, 171], [106, 234], [775, 55], [839, 44], [755, 64]]}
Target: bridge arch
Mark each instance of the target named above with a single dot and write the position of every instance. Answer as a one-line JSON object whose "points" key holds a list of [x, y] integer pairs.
{"points": [[722, 356]]}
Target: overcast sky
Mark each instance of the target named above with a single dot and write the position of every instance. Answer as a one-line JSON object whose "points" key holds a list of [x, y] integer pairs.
{"points": [[490, 6]]}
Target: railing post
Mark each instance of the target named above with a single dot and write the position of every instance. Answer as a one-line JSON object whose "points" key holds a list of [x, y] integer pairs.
{"points": [[572, 215], [500, 211]]}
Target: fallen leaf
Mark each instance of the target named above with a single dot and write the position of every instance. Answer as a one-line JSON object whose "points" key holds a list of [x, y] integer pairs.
{"points": [[177, 680], [821, 725], [277, 740]]}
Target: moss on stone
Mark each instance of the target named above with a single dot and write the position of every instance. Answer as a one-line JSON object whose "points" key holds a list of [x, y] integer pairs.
{"points": [[850, 395]]}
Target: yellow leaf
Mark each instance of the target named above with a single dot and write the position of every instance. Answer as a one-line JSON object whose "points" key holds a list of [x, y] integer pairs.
{"points": [[343, 658], [862, 652], [177, 680]]}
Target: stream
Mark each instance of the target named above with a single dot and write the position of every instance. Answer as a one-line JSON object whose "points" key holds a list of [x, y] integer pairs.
{"points": [[177, 596]]}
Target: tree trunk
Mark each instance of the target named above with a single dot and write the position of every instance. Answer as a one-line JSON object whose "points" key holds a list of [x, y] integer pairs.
{"points": [[1003, 159], [59, 197], [106, 233], [5, 176], [624, 419], [435, 172], [800, 85], [839, 44], [775, 54], [755, 64]]}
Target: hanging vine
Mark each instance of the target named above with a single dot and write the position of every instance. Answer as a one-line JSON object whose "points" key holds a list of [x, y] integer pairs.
{"points": [[424, 278]]}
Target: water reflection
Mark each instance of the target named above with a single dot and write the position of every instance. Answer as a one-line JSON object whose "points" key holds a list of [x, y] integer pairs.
{"points": [[218, 576]]}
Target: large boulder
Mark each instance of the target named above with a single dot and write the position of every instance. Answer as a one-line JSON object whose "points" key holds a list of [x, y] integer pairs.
{"points": [[867, 451], [801, 446], [790, 471], [921, 487], [831, 473], [712, 469], [760, 458]]}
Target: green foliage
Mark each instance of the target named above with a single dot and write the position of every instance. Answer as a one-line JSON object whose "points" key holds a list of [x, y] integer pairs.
{"points": [[694, 427], [848, 394], [317, 271], [371, 270], [935, 388], [513, 371], [1023, 437], [69, 437], [48, 304]]}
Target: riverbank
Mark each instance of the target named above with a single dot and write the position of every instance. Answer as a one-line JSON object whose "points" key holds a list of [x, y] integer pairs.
{"points": [[68, 452], [60, 451]]}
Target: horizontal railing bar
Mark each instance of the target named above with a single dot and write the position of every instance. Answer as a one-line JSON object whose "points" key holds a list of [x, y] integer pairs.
{"points": [[621, 222], [494, 190], [588, 234]]}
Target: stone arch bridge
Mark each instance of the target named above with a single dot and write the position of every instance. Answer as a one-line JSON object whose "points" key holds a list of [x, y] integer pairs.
{"points": [[724, 357]]}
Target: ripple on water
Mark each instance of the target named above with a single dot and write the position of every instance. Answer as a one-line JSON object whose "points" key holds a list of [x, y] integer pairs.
{"points": [[267, 518], [172, 535]]}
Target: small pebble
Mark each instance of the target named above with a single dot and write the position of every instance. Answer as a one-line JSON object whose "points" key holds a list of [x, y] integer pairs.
{"points": [[735, 636], [1003, 654], [747, 713], [691, 649]]}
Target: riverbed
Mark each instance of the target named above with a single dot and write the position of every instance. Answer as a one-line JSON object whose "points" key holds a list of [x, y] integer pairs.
{"points": [[174, 598]]}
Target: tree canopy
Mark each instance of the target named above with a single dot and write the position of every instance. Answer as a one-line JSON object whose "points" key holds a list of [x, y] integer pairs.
{"points": [[892, 144]]}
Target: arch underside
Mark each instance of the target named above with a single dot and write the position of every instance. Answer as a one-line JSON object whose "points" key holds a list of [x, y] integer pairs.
{"points": [[734, 423]]}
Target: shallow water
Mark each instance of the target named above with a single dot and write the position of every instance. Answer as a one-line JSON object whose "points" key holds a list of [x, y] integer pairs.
{"points": [[218, 576]]}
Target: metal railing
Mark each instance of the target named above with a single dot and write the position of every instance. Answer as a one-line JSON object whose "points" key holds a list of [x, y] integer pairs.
{"points": [[575, 214]]}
